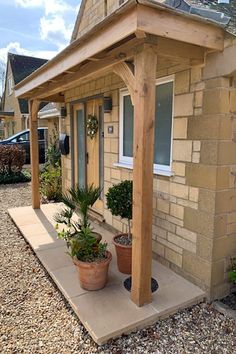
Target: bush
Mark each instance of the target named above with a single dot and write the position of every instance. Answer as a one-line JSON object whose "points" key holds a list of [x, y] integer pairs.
{"points": [[50, 183], [232, 271], [120, 200], [53, 154], [14, 177], [12, 159]]}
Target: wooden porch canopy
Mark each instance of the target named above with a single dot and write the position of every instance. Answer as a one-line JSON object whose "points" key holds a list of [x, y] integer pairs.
{"points": [[128, 42]]}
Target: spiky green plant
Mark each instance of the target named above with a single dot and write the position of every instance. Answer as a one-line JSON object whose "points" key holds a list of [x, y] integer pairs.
{"points": [[78, 199]]}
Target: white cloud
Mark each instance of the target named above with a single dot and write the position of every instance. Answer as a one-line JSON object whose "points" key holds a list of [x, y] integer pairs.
{"points": [[15, 47], [50, 6], [53, 25], [54, 28]]}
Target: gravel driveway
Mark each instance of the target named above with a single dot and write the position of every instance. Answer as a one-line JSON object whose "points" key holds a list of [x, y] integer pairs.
{"points": [[34, 317]]}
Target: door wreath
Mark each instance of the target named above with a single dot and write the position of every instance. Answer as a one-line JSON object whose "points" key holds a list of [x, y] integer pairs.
{"points": [[92, 126]]}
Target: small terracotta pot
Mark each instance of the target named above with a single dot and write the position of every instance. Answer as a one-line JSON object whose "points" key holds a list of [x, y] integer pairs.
{"points": [[93, 275], [124, 256]]}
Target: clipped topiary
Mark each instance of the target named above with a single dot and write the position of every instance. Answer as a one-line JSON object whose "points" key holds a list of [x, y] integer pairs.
{"points": [[120, 200]]}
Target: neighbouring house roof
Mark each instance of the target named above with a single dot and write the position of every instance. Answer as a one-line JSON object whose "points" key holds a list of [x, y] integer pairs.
{"points": [[22, 66], [49, 110]]}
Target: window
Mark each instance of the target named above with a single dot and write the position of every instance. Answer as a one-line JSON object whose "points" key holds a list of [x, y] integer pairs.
{"points": [[10, 85], [163, 126]]}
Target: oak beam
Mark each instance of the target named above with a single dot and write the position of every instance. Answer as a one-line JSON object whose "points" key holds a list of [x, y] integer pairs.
{"points": [[88, 70], [126, 74], [34, 152], [144, 118], [99, 39], [178, 26]]}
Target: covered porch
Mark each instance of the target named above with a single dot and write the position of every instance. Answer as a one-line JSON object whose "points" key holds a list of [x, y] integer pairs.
{"points": [[107, 313], [133, 43]]}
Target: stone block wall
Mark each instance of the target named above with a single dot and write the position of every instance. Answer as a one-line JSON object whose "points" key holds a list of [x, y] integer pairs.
{"points": [[94, 12], [194, 218]]}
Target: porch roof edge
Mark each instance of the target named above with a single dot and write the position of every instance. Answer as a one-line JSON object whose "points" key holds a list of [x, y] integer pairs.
{"points": [[21, 91]]}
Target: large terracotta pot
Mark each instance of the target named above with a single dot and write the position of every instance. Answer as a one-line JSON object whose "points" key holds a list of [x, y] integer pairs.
{"points": [[93, 275], [124, 256]]}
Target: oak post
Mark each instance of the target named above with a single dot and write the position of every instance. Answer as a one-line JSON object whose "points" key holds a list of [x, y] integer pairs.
{"points": [[34, 152], [144, 116]]}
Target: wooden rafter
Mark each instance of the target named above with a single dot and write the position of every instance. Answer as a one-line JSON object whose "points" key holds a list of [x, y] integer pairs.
{"points": [[88, 70]]}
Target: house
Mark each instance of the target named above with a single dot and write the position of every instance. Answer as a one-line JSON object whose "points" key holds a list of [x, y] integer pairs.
{"points": [[159, 80], [14, 113]]}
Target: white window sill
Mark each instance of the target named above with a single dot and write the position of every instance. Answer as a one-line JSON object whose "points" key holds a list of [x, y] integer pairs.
{"points": [[155, 170]]}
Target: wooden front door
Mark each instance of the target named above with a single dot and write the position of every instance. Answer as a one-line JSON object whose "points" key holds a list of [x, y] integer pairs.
{"points": [[89, 153]]}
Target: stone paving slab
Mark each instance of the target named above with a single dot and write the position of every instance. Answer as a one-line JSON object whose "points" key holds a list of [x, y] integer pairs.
{"points": [[107, 313]]}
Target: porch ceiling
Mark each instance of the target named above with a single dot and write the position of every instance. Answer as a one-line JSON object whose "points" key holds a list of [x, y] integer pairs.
{"points": [[115, 39]]}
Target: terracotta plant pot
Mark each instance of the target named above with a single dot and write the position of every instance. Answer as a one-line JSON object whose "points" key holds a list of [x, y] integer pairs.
{"points": [[93, 275], [124, 256]]}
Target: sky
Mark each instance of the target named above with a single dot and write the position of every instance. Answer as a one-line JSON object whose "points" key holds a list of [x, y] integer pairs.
{"points": [[39, 28]]}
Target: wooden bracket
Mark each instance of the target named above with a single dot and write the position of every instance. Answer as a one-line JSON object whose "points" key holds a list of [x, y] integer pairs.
{"points": [[126, 73]]}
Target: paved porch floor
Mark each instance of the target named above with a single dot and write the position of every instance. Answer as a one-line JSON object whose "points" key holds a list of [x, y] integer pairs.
{"points": [[109, 312]]}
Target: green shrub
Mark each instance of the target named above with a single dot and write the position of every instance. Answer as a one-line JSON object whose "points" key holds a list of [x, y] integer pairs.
{"points": [[50, 183], [232, 271], [53, 154], [120, 200], [14, 177]]}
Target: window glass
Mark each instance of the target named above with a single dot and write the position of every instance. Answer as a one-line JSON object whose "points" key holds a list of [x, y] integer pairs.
{"points": [[163, 123], [23, 137], [41, 134], [10, 85], [128, 114]]}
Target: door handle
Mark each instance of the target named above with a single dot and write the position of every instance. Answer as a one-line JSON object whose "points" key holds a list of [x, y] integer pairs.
{"points": [[87, 158]]}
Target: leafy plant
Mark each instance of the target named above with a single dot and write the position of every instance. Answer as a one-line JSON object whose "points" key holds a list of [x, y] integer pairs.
{"points": [[232, 271], [50, 182], [81, 241], [119, 201], [83, 244], [53, 154], [79, 199], [14, 177]]}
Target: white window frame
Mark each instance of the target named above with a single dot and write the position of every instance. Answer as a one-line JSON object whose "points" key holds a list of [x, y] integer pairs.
{"points": [[127, 162], [10, 85]]}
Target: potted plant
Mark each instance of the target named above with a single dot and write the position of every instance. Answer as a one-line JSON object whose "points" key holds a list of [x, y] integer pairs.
{"points": [[89, 255], [119, 202]]}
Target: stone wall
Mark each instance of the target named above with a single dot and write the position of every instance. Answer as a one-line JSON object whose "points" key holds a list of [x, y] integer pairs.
{"points": [[94, 12], [194, 218]]}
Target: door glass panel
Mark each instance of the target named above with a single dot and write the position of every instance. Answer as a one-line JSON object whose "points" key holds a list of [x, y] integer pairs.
{"points": [[81, 148]]}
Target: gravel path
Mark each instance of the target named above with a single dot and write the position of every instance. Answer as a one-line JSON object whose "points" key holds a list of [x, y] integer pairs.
{"points": [[34, 317]]}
